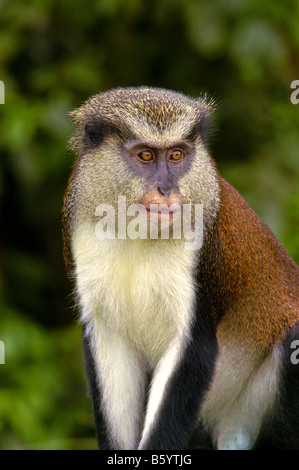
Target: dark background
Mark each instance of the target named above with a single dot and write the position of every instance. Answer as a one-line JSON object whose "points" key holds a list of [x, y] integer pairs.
{"points": [[53, 56]]}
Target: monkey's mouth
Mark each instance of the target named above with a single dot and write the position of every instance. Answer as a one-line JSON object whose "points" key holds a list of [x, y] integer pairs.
{"points": [[161, 212], [157, 208]]}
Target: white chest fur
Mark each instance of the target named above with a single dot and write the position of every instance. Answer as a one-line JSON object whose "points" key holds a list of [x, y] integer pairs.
{"points": [[144, 289]]}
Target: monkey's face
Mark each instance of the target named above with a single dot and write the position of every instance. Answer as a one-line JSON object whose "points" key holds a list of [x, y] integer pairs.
{"points": [[159, 167], [147, 145]]}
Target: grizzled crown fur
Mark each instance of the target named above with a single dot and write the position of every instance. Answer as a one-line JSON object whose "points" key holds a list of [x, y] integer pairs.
{"points": [[124, 108]]}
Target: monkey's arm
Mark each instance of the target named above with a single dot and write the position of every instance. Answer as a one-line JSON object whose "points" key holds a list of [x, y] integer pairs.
{"points": [[178, 387], [94, 391], [116, 376]]}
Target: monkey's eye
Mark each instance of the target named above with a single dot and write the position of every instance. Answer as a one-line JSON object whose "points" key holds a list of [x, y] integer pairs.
{"points": [[176, 155], [146, 155]]}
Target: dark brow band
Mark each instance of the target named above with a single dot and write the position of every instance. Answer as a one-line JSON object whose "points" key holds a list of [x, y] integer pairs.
{"points": [[95, 132]]}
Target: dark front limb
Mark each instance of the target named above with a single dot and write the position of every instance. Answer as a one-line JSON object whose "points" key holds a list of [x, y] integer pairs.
{"points": [[94, 392], [117, 379], [178, 387]]}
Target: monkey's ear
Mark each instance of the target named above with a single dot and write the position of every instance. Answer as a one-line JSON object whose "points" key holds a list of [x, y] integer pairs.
{"points": [[77, 115], [75, 142], [205, 125]]}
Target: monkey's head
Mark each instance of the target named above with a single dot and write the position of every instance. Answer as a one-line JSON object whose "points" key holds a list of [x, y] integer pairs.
{"points": [[146, 144]]}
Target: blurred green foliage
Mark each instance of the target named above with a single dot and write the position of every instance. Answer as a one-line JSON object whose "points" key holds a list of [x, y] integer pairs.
{"points": [[53, 56]]}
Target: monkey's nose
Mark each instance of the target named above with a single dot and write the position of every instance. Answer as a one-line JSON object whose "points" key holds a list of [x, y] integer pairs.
{"points": [[164, 190]]}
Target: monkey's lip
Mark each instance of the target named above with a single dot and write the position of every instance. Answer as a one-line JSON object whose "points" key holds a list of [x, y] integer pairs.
{"points": [[162, 213]]}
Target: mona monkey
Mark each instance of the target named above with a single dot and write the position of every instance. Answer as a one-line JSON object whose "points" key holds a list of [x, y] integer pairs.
{"points": [[184, 349]]}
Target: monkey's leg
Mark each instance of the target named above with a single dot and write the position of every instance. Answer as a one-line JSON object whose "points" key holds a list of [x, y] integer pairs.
{"points": [[117, 381], [280, 429], [178, 386]]}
